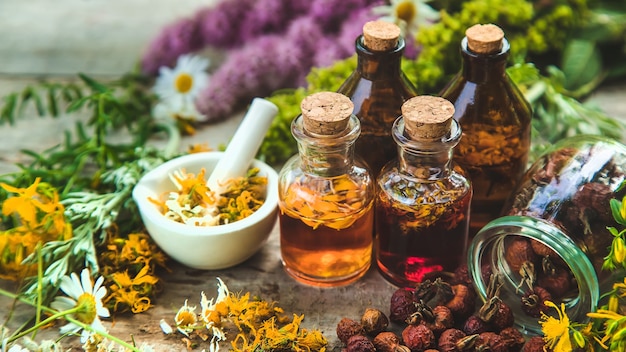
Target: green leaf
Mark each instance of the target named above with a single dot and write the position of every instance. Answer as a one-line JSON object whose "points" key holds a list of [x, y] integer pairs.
{"points": [[93, 84], [581, 63], [52, 102], [8, 110], [77, 104], [616, 207]]}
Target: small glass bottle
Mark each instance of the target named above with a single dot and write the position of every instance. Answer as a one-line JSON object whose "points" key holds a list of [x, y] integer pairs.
{"points": [[326, 196], [553, 238], [423, 202], [495, 119], [378, 87]]}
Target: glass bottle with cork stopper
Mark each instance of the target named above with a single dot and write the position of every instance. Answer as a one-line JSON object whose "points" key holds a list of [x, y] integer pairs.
{"points": [[423, 201], [378, 87], [495, 118], [326, 196]]}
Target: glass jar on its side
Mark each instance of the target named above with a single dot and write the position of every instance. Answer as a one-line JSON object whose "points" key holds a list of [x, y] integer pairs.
{"points": [[551, 242]]}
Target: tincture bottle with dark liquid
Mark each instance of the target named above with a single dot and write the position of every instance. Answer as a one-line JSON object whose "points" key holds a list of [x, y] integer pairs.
{"points": [[423, 201], [495, 119], [378, 87]]}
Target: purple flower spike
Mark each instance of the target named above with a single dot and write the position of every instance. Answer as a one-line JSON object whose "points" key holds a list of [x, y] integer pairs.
{"points": [[220, 25], [331, 13], [179, 38]]}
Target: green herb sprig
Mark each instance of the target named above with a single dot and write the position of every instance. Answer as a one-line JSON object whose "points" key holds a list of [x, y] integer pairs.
{"points": [[95, 176]]}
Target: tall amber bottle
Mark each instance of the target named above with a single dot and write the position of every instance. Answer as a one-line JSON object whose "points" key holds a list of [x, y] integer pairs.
{"points": [[378, 87], [495, 119], [326, 196]]}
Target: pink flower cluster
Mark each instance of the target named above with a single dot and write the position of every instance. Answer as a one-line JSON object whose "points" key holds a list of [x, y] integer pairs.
{"points": [[269, 45]]}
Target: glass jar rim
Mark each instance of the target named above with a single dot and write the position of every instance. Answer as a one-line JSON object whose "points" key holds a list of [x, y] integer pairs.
{"points": [[551, 236]]}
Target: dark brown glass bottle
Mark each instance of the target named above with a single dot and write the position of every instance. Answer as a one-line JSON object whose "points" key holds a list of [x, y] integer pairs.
{"points": [[378, 87], [495, 120]]}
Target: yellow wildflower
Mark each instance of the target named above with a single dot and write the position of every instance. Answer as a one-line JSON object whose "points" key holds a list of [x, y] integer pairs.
{"points": [[25, 204], [132, 292], [255, 319], [269, 337], [40, 218], [556, 331]]}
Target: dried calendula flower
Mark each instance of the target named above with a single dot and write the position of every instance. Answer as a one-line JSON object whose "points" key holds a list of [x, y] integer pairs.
{"points": [[326, 202], [196, 204]]}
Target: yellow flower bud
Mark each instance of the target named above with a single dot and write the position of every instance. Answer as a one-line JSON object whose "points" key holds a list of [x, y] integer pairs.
{"points": [[613, 305], [619, 250]]}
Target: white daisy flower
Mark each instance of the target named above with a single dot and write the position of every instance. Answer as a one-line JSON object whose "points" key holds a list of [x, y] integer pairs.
{"points": [[166, 112], [409, 15], [87, 298], [178, 87], [186, 319], [212, 315], [17, 348], [43, 346]]}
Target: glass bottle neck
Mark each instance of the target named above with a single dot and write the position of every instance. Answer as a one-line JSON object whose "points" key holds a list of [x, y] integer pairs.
{"points": [[426, 160], [326, 155], [374, 65], [484, 67]]}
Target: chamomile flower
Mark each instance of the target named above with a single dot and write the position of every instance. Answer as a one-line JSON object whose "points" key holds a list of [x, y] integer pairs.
{"points": [[409, 15], [178, 87], [187, 113], [213, 312], [17, 348], [186, 319], [85, 298]]}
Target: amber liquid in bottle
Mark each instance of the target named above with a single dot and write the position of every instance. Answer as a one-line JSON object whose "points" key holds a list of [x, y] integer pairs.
{"points": [[377, 87], [326, 197], [326, 236], [423, 198], [496, 121]]}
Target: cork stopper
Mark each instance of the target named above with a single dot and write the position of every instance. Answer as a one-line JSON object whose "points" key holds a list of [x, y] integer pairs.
{"points": [[380, 35], [427, 117], [326, 113], [484, 38]]}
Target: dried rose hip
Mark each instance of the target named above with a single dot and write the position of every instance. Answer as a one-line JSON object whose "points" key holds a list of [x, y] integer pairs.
{"points": [[463, 276], [449, 339], [346, 328], [533, 301], [433, 293], [374, 321], [534, 344], [503, 318], [475, 325], [402, 305], [388, 341], [359, 343], [542, 250], [513, 338], [442, 320], [519, 251], [490, 341], [418, 337], [463, 304], [557, 282]]}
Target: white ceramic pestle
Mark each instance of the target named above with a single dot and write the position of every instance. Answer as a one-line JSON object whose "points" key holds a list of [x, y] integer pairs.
{"points": [[244, 145]]}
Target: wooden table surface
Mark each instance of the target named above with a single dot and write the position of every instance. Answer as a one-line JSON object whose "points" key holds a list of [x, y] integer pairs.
{"points": [[40, 39]]}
